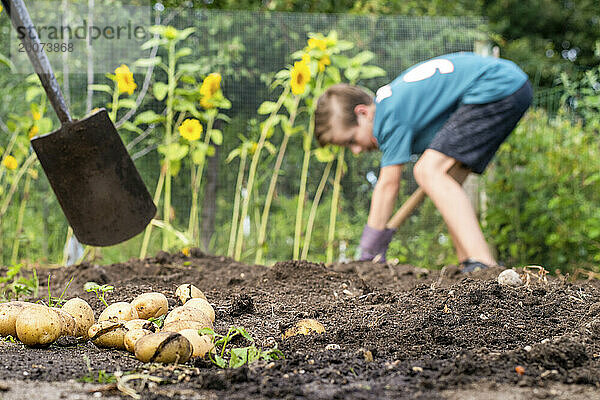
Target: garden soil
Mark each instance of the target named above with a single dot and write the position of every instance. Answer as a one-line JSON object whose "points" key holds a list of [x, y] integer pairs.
{"points": [[391, 332]]}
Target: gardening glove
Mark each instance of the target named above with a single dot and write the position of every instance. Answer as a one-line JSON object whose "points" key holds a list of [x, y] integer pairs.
{"points": [[375, 242]]}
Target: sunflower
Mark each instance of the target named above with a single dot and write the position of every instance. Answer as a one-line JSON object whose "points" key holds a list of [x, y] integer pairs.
{"points": [[33, 131], [10, 163], [210, 86], [315, 43], [190, 129], [300, 76], [125, 80], [323, 62]]}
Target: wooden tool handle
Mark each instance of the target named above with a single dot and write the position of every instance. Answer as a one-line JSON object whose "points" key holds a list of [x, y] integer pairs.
{"points": [[31, 42], [459, 174]]}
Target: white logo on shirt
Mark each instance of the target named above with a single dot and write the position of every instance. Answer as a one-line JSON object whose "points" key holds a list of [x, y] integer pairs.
{"points": [[428, 69], [383, 93]]}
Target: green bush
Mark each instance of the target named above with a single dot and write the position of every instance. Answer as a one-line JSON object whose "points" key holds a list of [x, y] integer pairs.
{"points": [[544, 194]]}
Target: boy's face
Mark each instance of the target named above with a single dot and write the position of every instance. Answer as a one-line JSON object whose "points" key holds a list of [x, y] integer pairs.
{"points": [[358, 138]]}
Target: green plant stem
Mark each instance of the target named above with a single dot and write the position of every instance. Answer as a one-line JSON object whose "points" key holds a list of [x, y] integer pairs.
{"points": [[19, 227], [115, 103], [236, 202], [313, 209], [168, 133], [7, 151], [334, 204], [157, 193], [306, 144], [301, 198], [15, 183], [267, 208], [193, 231], [252, 173]]}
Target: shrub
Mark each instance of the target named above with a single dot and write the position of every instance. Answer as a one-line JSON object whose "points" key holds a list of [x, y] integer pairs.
{"points": [[544, 194]]}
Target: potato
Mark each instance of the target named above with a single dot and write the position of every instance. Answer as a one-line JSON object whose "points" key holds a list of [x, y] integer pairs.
{"points": [[38, 325], [304, 327], [202, 305], [141, 324], [187, 314], [151, 305], [120, 311], [178, 326], [109, 334], [201, 344], [163, 347], [132, 336], [83, 314], [8, 316], [188, 291], [68, 322]]}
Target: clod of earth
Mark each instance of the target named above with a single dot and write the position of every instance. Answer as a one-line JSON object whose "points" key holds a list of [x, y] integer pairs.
{"points": [[304, 327]]}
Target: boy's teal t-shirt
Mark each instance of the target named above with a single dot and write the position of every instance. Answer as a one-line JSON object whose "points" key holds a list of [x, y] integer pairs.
{"points": [[413, 107]]}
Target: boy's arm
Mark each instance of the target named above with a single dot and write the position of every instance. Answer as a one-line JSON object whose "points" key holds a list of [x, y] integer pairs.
{"points": [[376, 238]]}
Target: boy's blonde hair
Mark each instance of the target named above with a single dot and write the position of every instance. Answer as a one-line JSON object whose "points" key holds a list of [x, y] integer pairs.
{"points": [[338, 100]]}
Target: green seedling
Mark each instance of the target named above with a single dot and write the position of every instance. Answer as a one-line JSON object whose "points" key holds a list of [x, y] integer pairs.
{"points": [[58, 301], [100, 290], [90, 377], [158, 321], [19, 285], [236, 357], [9, 339]]}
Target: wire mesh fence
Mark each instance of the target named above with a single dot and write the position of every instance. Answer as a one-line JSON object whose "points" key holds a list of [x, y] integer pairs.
{"points": [[247, 49]]}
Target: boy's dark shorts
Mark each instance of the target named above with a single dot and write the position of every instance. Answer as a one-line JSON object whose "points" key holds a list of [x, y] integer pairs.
{"points": [[474, 132]]}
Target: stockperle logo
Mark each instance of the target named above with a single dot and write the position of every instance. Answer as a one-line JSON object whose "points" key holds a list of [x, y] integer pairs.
{"points": [[83, 35], [129, 31]]}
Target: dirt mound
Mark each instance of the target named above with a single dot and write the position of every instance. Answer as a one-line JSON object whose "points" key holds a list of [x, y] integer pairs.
{"points": [[391, 331]]}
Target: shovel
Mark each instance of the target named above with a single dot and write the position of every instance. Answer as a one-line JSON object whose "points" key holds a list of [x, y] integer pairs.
{"points": [[92, 175]]}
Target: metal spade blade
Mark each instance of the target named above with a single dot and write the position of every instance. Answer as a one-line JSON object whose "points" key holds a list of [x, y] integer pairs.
{"points": [[89, 169]]}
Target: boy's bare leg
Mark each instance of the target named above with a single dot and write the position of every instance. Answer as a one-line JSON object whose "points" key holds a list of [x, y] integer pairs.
{"points": [[453, 203]]}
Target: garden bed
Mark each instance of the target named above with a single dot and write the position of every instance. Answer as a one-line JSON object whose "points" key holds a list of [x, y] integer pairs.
{"points": [[392, 331]]}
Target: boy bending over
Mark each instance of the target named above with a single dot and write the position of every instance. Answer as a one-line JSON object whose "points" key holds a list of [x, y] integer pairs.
{"points": [[456, 108]]}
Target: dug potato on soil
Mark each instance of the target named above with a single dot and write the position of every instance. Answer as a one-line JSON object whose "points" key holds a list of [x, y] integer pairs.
{"points": [[8, 317], [141, 324], [83, 314], [68, 322], [188, 291], [201, 344], [151, 305], [108, 334], [183, 313], [202, 305], [38, 326], [120, 311], [163, 347], [178, 326], [132, 336]]}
